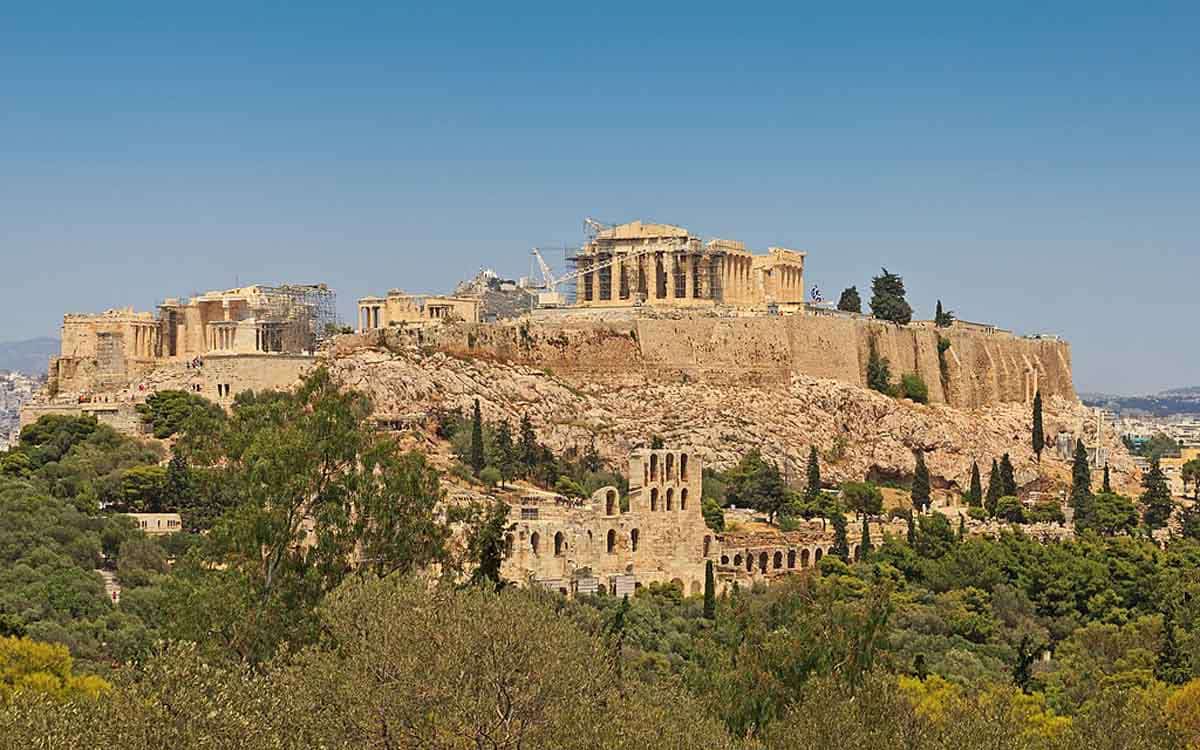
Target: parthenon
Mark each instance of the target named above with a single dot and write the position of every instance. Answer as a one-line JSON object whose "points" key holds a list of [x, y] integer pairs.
{"points": [[660, 264]]}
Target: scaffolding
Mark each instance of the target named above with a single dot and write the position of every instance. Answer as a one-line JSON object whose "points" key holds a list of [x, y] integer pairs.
{"points": [[298, 316]]}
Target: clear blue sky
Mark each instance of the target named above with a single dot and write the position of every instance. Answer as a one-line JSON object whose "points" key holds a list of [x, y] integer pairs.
{"points": [[1035, 167]]}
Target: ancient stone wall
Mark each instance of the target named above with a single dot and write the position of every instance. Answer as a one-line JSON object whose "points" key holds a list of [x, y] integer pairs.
{"points": [[978, 369]]}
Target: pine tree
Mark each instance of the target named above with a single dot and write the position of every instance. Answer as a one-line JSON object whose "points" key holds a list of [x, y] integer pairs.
{"points": [[1107, 486], [1008, 480], [1023, 673], [865, 547], [887, 299], [1156, 497], [178, 490], [850, 301], [710, 592], [841, 544], [506, 452], [813, 489], [1081, 478], [942, 318], [1171, 664], [920, 485], [528, 453], [994, 491], [975, 496], [1039, 434], [477, 460]]}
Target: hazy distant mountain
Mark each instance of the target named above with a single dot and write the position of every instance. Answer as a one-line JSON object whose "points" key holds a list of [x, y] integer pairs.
{"points": [[30, 357], [1166, 403]]}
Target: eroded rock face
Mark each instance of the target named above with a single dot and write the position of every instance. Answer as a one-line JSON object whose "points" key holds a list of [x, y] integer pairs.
{"points": [[858, 432]]}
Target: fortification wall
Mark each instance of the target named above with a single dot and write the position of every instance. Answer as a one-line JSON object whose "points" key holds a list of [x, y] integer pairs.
{"points": [[978, 369]]}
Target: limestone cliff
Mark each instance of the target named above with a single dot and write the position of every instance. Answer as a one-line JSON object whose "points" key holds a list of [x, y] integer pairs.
{"points": [[859, 432], [979, 367]]}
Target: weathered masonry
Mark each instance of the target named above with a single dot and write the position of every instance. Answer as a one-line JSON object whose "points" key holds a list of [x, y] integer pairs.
{"points": [[656, 533], [398, 307], [660, 264]]}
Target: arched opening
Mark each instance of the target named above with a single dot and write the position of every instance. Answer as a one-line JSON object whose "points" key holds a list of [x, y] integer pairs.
{"points": [[610, 504], [534, 540], [857, 553], [697, 589], [804, 558], [725, 560], [737, 560], [653, 498], [749, 562], [670, 498], [560, 544], [612, 541], [683, 499], [817, 556], [589, 539], [508, 545], [670, 466], [633, 540], [683, 473], [707, 545], [791, 559], [762, 562], [616, 502], [778, 560], [653, 467]]}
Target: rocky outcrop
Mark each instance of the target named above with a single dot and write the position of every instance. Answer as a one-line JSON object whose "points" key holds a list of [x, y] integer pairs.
{"points": [[858, 432]]}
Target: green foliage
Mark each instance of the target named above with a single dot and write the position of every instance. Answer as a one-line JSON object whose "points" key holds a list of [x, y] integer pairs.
{"points": [[756, 483], [1156, 497], [1038, 433], [850, 301], [943, 318], [1047, 511], [1009, 508], [995, 489], [476, 456], [812, 486], [975, 493], [913, 388], [1190, 474], [1008, 480], [714, 515], [42, 669], [887, 298], [1106, 514], [841, 545], [862, 498], [879, 374], [920, 484], [1081, 478], [170, 412], [710, 592]]}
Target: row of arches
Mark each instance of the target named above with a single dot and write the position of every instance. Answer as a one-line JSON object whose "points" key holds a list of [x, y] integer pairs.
{"points": [[561, 546], [780, 559], [668, 468], [669, 499]]}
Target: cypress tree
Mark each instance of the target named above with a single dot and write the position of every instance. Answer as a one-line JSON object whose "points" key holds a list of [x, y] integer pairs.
{"points": [[1156, 497], [975, 497], [841, 544], [941, 318], [1008, 481], [962, 527], [911, 535], [1081, 478], [1039, 434], [506, 452], [528, 453], [477, 460], [850, 301], [1107, 486], [1023, 673], [1171, 665], [865, 547], [879, 373], [920, 484], [710, 592], [995, 489], [813, 489]]}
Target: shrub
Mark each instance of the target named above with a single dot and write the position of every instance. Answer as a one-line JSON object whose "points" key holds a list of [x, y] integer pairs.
{"points": [[912, 387]]}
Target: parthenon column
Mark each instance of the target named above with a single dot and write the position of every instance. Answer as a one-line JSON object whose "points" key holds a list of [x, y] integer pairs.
{"points": [[616, 277], [669, 270], [595, 282], [689, 276]]}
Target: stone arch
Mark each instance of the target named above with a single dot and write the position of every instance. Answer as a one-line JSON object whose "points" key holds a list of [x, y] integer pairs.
{"points": [[653, 498], [534, 541], [762, 561], [677, 583], [857, 553], [725, 560], [560, 544], [612, 541], [683, 493], [791, 559], [508, 545], [670, 498], [749, 562], [633, 540], [610, 503], [737, 560], [707, 545], [670, 464], [697, 589], [778, 561], [817, 556], [804, 558], [683, 462], [653, 467]]}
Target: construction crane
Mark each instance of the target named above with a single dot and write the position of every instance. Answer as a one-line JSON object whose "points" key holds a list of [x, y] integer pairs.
{"points": [[552, 298]]}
